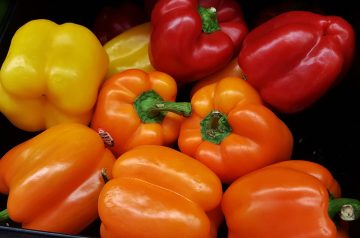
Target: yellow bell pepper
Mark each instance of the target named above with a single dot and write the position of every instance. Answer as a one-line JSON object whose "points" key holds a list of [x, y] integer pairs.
{"points": [[51, 74], [129, 50]]}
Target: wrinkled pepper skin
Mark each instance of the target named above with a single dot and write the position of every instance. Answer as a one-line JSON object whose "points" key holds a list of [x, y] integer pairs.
{"points": [[113, 19], [51, 74], [129, 50], [159, 189], [297, 57], [193, 51], [128, 118], [286, 199], [232, 132], [53, 180]]}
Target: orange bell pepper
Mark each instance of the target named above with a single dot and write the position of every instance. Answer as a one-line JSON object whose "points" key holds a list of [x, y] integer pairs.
{"points": [[138, 108], [231, 132], [159, 189], [288, 199], [53, 180]]}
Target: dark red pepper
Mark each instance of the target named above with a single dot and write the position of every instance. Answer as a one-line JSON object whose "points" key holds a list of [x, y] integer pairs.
{"points": [[192, 39], [115, 19]]}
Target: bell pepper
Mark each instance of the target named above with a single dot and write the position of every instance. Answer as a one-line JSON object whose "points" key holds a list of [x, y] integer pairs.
{"points": [[232, 132], [297, 57], [51, 74], [53, 180], [129, 50], [138, 108], [158, 189], [291, 199], [192, 39], [113, 19]]}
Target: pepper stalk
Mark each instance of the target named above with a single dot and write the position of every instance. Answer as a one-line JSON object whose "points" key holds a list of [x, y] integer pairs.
{"points": [[151, 108]]}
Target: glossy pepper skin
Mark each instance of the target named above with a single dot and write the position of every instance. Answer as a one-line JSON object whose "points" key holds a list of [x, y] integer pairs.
{"points": [[157, 191], [51, 74], [113, 19], [129, 50], [54, 179], [138, 108], [188, 47], [290, 199], [232, 132], [296, 57]]}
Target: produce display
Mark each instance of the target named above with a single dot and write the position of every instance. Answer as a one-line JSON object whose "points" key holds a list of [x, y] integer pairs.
{"points": [[191, 119]]}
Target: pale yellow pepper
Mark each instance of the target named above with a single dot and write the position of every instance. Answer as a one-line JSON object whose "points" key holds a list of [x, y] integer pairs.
{"points": [[51, 74], [129, 50]]}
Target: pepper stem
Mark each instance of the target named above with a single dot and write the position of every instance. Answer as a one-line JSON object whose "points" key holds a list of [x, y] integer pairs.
{"points": [[151, 108], [209, 19], [215, 127], [347, 208], [4, 215]]}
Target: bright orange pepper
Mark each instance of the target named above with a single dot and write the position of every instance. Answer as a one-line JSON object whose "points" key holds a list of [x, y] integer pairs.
{"points": [[137, 108], [157, 191], [324, 175], [54, 179], [285, 200], [231, 132]]}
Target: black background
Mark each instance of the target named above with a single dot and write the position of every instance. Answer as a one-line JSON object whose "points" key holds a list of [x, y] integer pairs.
{"points": [[327, 133]]}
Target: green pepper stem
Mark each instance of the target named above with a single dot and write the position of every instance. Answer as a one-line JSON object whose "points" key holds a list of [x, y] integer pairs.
{"points": [[4, 215], [151, 108], [347, 208], [209, 19], [215, 127]]}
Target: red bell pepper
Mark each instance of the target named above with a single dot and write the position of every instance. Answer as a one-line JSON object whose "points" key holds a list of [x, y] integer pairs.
{"points": [[115, 19], [296, 57], [192, 39]]}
